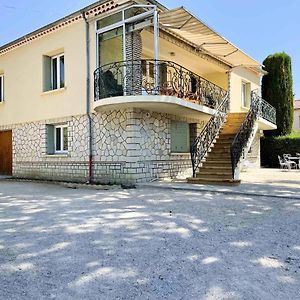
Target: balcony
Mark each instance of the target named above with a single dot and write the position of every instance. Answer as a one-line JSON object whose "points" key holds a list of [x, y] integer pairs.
{"points": [[159, 85], [266, 112]]}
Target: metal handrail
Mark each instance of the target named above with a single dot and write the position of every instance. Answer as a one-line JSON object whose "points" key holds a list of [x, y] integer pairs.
{"points": [[258, 108], [204, 141]]}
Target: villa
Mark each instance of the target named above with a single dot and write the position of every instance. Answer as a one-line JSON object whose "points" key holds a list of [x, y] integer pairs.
{"points": [[129, 91]]}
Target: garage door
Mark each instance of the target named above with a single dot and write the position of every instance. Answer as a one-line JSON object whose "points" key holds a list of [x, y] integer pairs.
{"points": [[5, 153]]}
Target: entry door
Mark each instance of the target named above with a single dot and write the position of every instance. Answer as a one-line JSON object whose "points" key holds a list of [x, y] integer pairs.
{"points": [[5, 152]]}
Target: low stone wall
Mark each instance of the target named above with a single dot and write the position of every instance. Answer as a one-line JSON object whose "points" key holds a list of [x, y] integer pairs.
{"points": [[129, 145]]}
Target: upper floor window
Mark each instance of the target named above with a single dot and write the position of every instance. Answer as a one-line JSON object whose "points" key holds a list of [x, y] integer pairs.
{"points": [[58, 71], [53, 72], [246, 94], [1, 88]]}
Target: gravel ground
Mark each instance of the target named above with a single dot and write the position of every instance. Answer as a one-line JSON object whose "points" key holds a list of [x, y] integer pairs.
{"points": [[60, 243]]}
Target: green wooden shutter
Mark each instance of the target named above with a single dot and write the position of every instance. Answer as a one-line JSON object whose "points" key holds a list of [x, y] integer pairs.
{"points": [[180, 137], [50, 139], [46, 73]]}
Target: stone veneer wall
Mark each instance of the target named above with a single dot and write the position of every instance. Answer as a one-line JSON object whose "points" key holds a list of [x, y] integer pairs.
{"points": [[30, 158], [129, 145]]}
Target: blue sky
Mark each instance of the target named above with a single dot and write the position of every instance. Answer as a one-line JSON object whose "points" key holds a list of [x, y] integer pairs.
{"points": [[259, 27]]}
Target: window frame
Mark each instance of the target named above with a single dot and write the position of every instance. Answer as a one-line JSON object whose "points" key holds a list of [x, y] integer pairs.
{"points": [[246, 94], [58, 77], [61, 151], [2, 88]]}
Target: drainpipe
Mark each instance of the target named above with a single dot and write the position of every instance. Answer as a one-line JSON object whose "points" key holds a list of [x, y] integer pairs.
{"points": [[88, 106], [229, 87]]}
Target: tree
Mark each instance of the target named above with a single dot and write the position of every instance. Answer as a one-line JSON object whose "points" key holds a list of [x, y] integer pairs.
{"points": [[277, 89]]}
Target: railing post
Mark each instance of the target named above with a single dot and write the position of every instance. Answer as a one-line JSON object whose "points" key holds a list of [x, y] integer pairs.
{"points": [[156, 50]]}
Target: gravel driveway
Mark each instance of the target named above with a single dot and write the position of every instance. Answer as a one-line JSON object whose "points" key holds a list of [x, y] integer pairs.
{"points": [[60, 243]]}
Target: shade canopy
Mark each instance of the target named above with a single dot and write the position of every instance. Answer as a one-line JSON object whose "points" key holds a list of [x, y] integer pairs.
{"points": [[184, 24]]}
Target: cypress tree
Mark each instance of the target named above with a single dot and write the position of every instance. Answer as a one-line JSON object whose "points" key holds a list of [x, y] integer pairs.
{"points": [[277, 89]]}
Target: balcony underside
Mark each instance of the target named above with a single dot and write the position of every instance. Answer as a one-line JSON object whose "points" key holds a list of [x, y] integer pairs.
{"points": [[161, 104], [264, 124]]}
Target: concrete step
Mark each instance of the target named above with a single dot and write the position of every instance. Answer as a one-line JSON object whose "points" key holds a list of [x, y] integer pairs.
{"points": [[231, 182]]}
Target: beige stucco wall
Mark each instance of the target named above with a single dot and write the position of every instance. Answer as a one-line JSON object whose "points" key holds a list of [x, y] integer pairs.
{"points": [[170, 51], [23, 70], [237, 77], [296, 125]]}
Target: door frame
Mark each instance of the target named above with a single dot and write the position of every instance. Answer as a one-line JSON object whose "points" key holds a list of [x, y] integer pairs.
{"points": [[10, 171]]}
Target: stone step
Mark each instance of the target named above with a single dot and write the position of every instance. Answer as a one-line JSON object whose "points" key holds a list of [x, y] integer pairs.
{"points": [[231, 127], [197, 180], [234, 121], [224, 142], [213, 175], [226, 135], [220, 150], [236, 116], [218, 163], [230, 131], [222, 145], [218, 159], [217, 168]]}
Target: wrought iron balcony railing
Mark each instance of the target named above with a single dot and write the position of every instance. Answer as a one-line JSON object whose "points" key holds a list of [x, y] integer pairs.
{"points": [[265, 110], [155, 77]]}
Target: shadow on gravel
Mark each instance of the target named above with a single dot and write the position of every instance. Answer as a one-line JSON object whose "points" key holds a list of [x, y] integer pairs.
{"points": [[147, 244]]}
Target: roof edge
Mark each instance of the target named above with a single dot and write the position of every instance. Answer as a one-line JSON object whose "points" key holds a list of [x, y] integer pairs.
{"points": [[75, 14]]}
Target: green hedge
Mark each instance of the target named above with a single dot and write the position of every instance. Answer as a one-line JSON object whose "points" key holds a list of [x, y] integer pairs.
{"points": [[272, 147]]}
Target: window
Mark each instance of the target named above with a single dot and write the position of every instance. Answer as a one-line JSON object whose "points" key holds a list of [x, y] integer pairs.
{"points": [[57, 139], [57, 72], [180, 137], [246, 94], [1, 88], [61, 138], [109, 20]]}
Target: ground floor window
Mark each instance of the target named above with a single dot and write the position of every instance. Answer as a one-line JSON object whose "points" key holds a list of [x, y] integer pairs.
{"points": [[57, 139], [180, 137], [61, 138]]}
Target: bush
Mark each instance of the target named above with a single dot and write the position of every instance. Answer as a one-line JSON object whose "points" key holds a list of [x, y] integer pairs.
{"points": [[271, 147], [277, 89]]}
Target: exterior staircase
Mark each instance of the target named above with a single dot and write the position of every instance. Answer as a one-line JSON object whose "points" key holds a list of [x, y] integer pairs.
{"points": [[216, 167]]}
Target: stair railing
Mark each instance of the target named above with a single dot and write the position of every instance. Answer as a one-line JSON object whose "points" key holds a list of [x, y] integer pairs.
{"points": [[239, 144], [204, 141]]}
